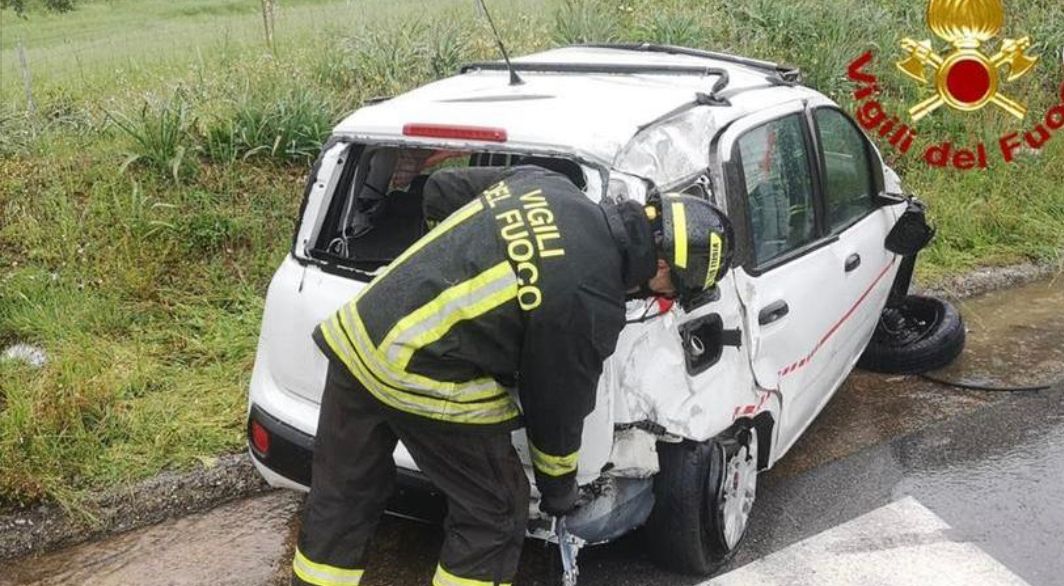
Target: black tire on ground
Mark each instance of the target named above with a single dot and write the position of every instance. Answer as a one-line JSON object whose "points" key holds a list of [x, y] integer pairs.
{"points": [[684, 532], [916, 336]]}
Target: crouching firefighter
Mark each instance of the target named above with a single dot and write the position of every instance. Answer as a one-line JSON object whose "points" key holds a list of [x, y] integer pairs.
{"points": [[522, 286]]}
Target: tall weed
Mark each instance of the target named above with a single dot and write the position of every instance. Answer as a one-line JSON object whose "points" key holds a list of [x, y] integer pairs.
{"points": [[586, 21], [16, 131], [162, 135], [331, 69], [389, 57], [449, 47], [672, 27], [290, 125]]}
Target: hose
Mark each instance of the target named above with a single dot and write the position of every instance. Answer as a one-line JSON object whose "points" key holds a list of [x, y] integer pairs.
{"points": [[990, 387]]}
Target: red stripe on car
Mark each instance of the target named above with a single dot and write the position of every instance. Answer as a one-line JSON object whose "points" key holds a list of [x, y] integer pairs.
{"points": [[823, 340]]}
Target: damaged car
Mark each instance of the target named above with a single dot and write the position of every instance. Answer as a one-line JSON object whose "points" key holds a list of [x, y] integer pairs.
{"points": [[699, 398]]}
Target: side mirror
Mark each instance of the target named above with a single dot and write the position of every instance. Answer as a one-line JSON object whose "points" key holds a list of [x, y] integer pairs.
{"points": [[888, 199], [912, 232]]}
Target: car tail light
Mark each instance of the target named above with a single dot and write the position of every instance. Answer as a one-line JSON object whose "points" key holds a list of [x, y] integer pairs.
{"points": [[480, 133], [260, 438]]}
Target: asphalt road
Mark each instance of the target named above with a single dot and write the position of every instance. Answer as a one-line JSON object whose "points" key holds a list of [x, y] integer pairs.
{"points": [[898, 476]]}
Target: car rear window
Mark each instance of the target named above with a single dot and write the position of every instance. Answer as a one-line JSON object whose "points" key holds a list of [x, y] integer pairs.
{"points": [[378, 208]]}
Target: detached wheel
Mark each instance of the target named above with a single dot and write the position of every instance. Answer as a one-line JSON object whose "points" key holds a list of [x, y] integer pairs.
{"points": [[703, 497], [918, 335]]}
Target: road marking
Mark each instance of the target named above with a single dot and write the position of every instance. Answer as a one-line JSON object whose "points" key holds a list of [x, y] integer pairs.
{"points": [[901, 544]]}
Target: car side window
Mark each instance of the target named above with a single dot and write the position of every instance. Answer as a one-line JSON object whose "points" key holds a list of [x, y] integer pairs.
{"points": [[847, 173], [779, 187]]}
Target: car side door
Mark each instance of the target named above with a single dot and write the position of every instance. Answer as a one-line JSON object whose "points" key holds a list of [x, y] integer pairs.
{"points": [[852, 175], [788, 275]]}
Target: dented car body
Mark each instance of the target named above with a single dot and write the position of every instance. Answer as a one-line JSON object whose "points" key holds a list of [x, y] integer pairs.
{"points": [[757, 359]]}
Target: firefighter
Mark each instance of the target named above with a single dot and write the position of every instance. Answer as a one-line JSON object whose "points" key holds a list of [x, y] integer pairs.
{"points": [[524, 286]]}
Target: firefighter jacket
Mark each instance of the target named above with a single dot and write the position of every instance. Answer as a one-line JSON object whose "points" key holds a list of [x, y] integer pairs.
{"points": [[522, 286]]}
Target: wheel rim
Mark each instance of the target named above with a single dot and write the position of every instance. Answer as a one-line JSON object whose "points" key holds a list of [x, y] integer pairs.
{"points": [[907, 324], [739, 490]]}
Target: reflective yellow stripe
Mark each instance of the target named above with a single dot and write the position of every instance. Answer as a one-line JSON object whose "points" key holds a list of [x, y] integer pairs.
{"points": [[482, 413], [474, 390], [445, 578], [480, 401], [464, 301], [322, 574], [679, 234], [553, 465], [461, 215], [446, 409], [441, 311], [479, 413], [463, 314], [716, 247]]}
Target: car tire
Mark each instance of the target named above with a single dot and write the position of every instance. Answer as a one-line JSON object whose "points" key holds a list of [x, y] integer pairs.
{"points": [[915, 336], [699, 519]]}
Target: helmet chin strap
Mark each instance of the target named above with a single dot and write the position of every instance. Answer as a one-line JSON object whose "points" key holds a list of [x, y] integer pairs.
{"points": [[642, 292]]}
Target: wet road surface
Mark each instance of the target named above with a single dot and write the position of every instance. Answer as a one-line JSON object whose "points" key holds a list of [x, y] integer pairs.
{"points": [[977, 474], [242, 541]]}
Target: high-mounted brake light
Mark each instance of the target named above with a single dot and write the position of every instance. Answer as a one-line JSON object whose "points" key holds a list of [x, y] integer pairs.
{"points": [[447, 131]]}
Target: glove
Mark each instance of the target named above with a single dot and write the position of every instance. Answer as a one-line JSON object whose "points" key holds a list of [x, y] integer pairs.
{"points": [[561, 502]]}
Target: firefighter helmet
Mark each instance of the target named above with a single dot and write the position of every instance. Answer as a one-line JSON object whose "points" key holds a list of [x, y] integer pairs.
{"points": [[697, 242]]}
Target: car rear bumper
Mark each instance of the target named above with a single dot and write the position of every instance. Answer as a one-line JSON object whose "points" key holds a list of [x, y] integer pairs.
{"points": [[286, 463], [615, 506]]}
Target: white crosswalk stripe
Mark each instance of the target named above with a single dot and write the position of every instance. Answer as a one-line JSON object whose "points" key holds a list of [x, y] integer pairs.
{"points": [[901, 544]]}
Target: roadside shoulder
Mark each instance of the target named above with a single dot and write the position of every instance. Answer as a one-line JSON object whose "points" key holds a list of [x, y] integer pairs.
{"points": [[988, 279], [171, 494]]}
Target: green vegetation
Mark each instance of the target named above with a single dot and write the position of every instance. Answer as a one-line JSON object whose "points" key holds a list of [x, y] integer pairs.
{"points": [[19, 6], [146, 201]]}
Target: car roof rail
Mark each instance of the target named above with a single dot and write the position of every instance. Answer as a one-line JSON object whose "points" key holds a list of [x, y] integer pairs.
{"points": [[607, 68], [786, 73]]}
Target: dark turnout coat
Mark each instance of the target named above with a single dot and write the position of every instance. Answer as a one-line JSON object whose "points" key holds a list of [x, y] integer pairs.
{"points": [[523, 286]]}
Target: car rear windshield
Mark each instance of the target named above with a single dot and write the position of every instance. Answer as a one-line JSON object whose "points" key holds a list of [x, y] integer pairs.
{"points": [[378, 208]]}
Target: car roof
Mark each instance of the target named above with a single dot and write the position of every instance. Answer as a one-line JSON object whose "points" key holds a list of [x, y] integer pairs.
{"points": [[589, 114]]}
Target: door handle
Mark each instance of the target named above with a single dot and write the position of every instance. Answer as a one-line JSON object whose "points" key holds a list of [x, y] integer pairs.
{"points": [[773, 312], [852, 262]]}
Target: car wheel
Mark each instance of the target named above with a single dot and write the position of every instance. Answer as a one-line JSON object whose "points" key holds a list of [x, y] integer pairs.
{"points": [[703, 497], [915, 336]]}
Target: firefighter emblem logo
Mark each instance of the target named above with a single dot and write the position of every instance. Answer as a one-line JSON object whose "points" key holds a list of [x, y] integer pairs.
{"points": [[967, 78]]}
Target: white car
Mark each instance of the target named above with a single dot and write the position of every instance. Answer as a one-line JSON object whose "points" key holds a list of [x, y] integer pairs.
{"points": [[696, 400]]}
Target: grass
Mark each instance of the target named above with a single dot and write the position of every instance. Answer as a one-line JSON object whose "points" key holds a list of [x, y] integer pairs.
{"points": [[161, 135], [146, 202]]}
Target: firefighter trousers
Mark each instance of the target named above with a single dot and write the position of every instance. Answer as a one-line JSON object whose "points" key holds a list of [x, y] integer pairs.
{"points": [[353, 476]]}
